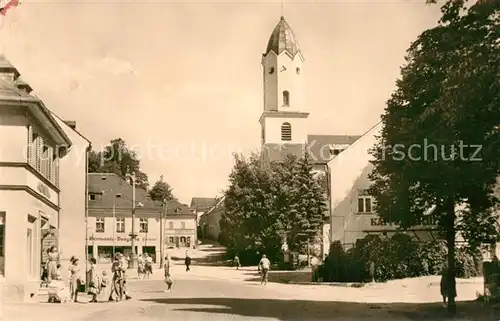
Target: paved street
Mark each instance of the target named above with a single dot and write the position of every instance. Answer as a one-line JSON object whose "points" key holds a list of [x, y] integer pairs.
{"points": [[206, 295]]}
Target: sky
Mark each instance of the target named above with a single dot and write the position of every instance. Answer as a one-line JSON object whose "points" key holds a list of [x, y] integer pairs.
{"points": [[181, 82]]}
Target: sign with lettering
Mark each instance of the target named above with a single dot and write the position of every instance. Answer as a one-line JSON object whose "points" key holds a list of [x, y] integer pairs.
{"points": [[120, 239], [426, 221], [43, 189]]}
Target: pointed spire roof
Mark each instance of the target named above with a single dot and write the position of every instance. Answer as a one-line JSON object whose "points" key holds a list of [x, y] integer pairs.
{"points": [[283, 39]]}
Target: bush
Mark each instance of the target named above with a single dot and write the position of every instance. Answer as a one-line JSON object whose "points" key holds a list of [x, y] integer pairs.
{"points": [[394, 258]]}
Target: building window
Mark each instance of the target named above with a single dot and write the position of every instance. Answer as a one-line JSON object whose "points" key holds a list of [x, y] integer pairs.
{"points": [[286, 132], [336, 151], [365, 204], [120, 225], [143, 225], [183, 225], [171, 239], [286, 98], [171, 225], [95, 197], [99, 224]]}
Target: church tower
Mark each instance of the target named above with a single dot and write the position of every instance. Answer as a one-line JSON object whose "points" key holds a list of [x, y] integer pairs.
{"points": [[284, 118]]}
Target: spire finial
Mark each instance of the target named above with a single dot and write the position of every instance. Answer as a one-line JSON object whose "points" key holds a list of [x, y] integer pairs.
{"points": [[282, 9]]}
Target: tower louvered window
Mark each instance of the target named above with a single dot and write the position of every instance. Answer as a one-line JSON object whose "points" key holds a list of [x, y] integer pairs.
{"points": [[286, 132]]}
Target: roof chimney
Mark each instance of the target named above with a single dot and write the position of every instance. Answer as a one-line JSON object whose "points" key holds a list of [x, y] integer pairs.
{"points": [[71, 123]]}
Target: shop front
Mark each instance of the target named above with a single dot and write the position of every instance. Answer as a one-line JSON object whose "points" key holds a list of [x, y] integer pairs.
{"points": [[103, 247]]}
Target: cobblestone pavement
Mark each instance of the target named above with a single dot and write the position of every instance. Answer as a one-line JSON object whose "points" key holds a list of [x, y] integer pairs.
{"points": [[217, 294]]}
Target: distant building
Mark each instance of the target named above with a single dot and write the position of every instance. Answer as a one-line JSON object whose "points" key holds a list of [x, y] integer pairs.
{"points": [[202, 204], [42, 193], [110, 220], [284, 120], [210, 221]]}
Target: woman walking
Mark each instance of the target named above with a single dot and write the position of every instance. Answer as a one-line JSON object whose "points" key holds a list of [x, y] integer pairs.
{"points": [[74, 278], [168, 277], [93, 281]]}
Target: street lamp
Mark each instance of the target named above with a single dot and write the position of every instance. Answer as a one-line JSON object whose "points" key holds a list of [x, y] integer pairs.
{"points": [[118, 195], [163, 214], [133, 234]]}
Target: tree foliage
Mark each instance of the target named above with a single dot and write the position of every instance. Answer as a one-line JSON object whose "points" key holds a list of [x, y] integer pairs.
{"points": [[119, 159], [161, 190], [267, 203], [441, 138]]}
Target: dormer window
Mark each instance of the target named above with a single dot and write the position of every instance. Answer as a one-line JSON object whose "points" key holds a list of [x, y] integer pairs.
{"points": [[95, 197]]}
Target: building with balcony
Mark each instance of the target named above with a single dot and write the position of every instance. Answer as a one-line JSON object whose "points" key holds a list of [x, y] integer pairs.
{"points": [[110, 220], [33, 145]]}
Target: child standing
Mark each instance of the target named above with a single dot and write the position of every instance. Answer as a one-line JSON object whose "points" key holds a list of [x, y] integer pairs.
{"points": [[104, 285]]}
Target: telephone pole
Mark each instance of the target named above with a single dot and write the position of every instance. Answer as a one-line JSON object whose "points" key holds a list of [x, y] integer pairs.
{"points": [[163, 214]]}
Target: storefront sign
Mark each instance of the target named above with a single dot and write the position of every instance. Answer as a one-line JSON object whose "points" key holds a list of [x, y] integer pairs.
{"points": [[426, 221], [120, 239], [43, 189]]}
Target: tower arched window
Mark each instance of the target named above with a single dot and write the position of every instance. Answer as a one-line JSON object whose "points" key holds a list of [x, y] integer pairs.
{"points": [[286, 132], [286, 98]]}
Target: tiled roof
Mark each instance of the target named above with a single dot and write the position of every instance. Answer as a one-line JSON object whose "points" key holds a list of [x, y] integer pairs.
{"points": [[278, 152], [282, 38], [318, 146], [349, 165], [203, 203], [110, 184]]}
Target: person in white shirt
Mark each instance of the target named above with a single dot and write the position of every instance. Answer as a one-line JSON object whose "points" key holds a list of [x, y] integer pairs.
{"points": [[264, 266]]}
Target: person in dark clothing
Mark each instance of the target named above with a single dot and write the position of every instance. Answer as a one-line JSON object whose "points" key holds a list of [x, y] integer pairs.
{"points": [[445, 285], [187, 261]]}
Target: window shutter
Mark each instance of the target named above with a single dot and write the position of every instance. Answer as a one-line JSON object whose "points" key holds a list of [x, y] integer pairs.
{"points": [[29, 155], [50, 167], [39, 146], [56, 171]]}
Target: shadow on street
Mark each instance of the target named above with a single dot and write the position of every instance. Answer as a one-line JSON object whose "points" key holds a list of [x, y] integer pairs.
{"points": [[320, 310]]}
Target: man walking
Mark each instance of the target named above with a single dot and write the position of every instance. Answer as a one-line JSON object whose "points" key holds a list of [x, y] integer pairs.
{"points": [[187, 261], [264, 266]]}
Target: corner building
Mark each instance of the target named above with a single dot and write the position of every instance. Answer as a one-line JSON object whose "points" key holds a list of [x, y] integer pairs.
{"points": [[32, 143]]}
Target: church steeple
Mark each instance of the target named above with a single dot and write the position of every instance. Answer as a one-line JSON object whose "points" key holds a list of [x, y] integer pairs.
{"points": [[284, 119], [282, 39]]}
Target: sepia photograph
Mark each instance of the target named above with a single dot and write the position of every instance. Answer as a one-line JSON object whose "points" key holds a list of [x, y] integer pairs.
{"points": [[249, 160]]}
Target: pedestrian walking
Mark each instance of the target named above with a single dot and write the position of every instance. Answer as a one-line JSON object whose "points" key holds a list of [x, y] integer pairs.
{"points": [[75, 281], [104, 286], [236, 262], [141, 267], [314, 268], [124, 260], [445, 285], [187, 261], [93, 280], [264, 266], [148, 261], [117, 279], [168, 276]]}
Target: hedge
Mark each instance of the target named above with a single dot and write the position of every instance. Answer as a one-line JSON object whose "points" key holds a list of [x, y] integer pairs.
{"points": [[394, 258]]}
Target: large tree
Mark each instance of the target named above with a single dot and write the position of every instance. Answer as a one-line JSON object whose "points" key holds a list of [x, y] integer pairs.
{"points": [[119, 159], [267, 203], [161, 190], [440, 141]]}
